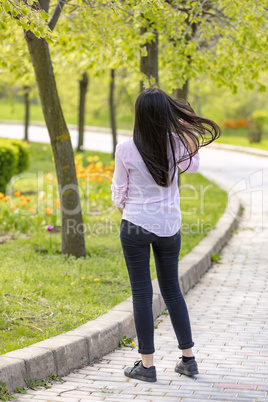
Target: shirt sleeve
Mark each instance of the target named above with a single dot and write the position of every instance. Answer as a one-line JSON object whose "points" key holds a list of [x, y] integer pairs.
{"points": [[119, 185], [194, 166], [181, 150]]}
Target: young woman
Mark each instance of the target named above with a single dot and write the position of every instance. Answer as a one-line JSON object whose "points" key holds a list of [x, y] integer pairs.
{"points": [[167, 135]]}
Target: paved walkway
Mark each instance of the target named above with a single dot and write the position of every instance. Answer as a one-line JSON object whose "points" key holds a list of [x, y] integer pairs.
{"points": [[228, 311], [94, 139]]}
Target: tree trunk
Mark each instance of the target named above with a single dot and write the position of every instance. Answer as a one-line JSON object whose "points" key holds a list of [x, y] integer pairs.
{"points": [[149, 63], [181, 93], [83, 83], [72, 225], [27, 112], [112, 110]]}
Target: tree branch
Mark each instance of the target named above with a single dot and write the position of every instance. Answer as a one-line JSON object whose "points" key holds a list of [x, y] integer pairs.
{"points": [[44, 4], [243, 47], [56, 13]]}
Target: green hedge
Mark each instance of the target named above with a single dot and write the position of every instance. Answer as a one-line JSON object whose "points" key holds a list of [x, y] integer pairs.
{"points": [[14, 159]]}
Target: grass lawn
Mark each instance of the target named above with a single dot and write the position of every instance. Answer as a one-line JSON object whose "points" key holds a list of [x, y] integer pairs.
{"points": [[15, 112], [45, 294], [239, 137]]}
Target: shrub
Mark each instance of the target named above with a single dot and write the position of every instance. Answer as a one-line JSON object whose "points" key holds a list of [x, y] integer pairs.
{"points": [[258, 119], [14, 159], [23, 157]]}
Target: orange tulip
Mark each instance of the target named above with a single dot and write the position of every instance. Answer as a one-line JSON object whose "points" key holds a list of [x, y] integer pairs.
{"points": [[31, 209], [6, 198], [2, 195], [22, 198], [48, 211], [17, 193], [41, 198], [49, 176], [57, 203], [13, 207], [23, 203], [28, 199]]}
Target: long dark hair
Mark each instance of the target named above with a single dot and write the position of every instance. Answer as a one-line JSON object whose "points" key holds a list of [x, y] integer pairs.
{"points": [[157, 116]]}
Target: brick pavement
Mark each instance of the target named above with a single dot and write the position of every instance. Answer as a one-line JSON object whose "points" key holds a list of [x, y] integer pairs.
{"points": [[228, 315]]}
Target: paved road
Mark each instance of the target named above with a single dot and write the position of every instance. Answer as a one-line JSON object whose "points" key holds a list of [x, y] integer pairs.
{"points": [[93, 139], [228, 311]]}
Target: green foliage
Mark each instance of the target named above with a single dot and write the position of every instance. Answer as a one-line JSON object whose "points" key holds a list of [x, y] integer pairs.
{"points": [[8, 164], [35, 384], [14, 159], [24, 15], [127, 342], [258, 119], [4, 394], [23, 156], [215, 257]]}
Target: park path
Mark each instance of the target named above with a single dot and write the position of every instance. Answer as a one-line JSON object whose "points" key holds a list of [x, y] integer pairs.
{"points": [[94, 139], [227, 307]]}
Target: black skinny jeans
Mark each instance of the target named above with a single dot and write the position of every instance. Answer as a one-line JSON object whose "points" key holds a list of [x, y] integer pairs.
{"points": [[136, 248]]}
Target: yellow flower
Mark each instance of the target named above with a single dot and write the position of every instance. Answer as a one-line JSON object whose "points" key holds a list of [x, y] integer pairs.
{"points": [[99, 166], [90, 159], [96, 158], [124, 342], [83, 277], [90, 277], [71, 283], [96, 279], [133, 344], [82, 319]]}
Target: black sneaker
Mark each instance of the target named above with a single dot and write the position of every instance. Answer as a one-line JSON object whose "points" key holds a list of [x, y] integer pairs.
{"points": [[190, 368], [140, 373]]}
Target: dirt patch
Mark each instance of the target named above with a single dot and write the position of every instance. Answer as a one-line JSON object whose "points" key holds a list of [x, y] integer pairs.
{"points": [[7, 236]]}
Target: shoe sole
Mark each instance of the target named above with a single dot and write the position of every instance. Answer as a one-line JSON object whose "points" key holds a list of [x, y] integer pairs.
{"points": [[142, 378], [186, 372]]}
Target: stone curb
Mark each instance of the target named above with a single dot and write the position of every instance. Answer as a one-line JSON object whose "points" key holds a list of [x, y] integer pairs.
{"points": [[236, 148], [63, 353]]}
